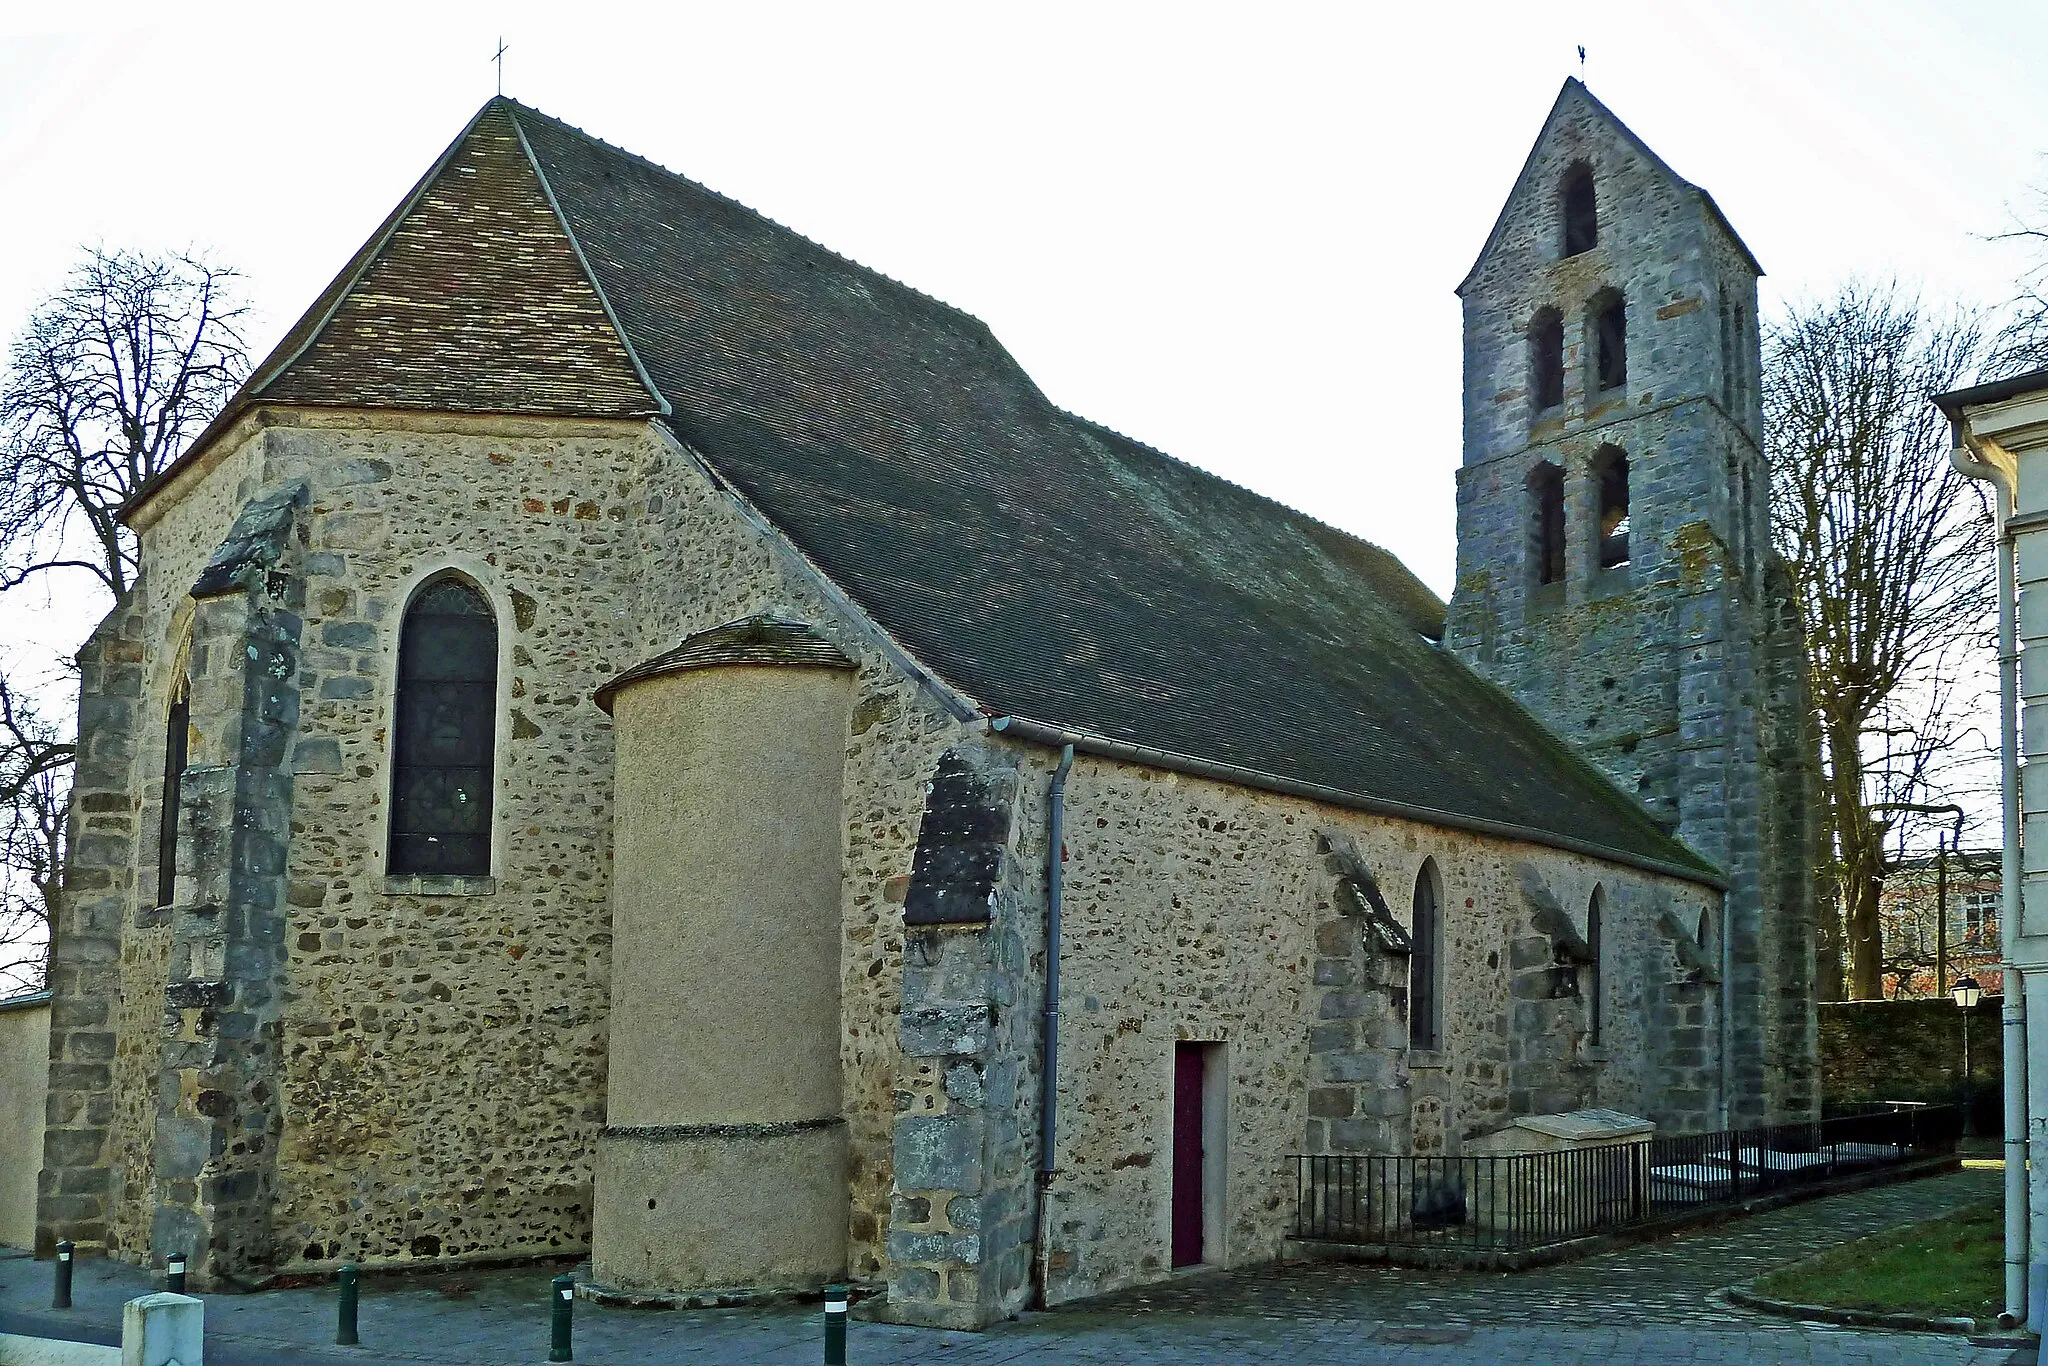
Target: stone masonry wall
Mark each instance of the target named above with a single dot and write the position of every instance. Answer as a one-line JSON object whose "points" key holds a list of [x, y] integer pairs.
{"points": [[1196, 910], [111, 958], [443, 1063], [218, 1114], [1668, 672], [965, 1206], [1913, 1050], [84, 1141]]}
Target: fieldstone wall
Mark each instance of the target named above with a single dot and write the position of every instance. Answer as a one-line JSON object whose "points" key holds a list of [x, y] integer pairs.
{"points": [[1677, 672], [1201, 911], [442, 1065], [1913, 1050]]}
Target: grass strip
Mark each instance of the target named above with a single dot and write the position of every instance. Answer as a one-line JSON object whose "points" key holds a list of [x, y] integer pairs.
{"points": [[1951, 1267]]}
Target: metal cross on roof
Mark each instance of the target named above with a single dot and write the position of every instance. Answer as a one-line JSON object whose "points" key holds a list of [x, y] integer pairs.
{"points": [[499, 58]]}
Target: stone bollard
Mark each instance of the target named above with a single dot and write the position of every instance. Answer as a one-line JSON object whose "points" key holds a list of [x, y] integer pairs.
{"points": [[61, 1299], [163, 1330]]}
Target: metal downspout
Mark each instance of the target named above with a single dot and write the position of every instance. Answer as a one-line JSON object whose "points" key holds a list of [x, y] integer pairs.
{"points": [[2021, 1293], [1049, 1057], [1727, 1030], [2013, 1015]]}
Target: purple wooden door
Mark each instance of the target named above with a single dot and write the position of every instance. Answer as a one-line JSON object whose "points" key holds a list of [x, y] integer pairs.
{"points": [[1187, 1154]]}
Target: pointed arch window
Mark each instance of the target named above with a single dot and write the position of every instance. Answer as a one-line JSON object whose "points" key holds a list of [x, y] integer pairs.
{"points": [[177, 735], [1425, 1004], [1607, 322], [1595, 975], [445, 732], [1581, 218], [1546, 359], [1546, 523], [1610, 470]]}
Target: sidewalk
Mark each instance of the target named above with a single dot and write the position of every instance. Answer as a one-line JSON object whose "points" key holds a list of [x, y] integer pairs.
{"points": [[1650, 1304]]}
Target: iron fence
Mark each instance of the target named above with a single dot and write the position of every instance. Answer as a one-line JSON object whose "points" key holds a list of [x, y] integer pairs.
{"points": [[1526, 1200]]}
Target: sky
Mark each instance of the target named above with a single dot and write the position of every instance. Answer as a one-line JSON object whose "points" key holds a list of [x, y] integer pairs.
{"points": [[1232, 232]]}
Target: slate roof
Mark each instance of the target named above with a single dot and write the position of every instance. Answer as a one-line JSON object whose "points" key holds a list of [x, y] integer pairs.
{"points": [[751, 640], [1043, 565]]}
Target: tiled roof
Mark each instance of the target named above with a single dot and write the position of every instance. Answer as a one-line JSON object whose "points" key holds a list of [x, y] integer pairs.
{"points": [[1046, 567], [479, 263], [752, 640]]}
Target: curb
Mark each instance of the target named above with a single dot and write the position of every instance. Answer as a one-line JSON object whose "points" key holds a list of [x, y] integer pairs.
{"points": [[1854, 1318], [730, 1297]]}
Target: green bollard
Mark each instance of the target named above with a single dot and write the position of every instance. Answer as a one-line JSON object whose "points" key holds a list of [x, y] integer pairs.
{"points": [[345, 1304], [62, 1299], [563, 1300], [174, 1273], [835, 1325]]}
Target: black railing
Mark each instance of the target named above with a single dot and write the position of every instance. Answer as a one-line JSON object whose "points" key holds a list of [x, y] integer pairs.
{"points": [[1526, 1200]]}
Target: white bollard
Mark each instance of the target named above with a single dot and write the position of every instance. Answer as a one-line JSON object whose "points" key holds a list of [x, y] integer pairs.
{"points": [[163, 1330]]}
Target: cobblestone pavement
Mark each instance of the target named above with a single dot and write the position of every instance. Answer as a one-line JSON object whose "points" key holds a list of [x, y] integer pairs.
{"points": [[1652, 1303]]}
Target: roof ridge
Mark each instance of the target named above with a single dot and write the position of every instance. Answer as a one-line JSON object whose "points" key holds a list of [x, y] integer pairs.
{"points": [[776, 223], [611, 314]]}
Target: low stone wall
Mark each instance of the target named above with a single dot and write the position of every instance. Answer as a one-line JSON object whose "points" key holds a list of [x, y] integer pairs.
{"points": [[24, 1081], [1911, 1050]]}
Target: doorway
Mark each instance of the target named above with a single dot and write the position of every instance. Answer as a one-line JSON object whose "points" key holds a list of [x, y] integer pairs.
{"points": [[1198, 1150]]}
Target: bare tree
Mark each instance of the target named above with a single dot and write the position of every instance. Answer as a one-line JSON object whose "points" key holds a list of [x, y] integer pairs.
{"points": [[110, 379], [35, 772], [2022, 343], [1890, 553], [112, 376]]}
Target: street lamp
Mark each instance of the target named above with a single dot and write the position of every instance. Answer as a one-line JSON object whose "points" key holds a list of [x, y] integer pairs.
{"points": [[1967, 993]]}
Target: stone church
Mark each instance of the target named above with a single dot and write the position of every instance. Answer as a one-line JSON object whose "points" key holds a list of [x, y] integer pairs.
{"points": [[638, 735]]}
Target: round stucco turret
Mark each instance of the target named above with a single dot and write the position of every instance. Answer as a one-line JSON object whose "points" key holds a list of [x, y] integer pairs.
{"points": [[722, 1163]]}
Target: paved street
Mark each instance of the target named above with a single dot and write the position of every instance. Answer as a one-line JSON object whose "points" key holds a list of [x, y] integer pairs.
{"points": [[1646, 1304]]}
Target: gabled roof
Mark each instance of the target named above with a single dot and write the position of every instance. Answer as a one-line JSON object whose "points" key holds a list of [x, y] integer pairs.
{"points": [[1044, 566], [1574, 90]]}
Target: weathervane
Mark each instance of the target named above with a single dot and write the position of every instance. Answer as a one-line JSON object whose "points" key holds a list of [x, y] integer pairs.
{"points": [[499, 58], [1582, 63]]}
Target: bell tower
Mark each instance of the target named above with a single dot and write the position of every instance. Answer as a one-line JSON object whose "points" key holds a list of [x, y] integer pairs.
{"points": [[1614, 562]]}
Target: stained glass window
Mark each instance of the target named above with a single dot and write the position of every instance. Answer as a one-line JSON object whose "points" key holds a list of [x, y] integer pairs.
{"points": [[446, 733], [1425, 1010], [177, 729], [1591, 983]]}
